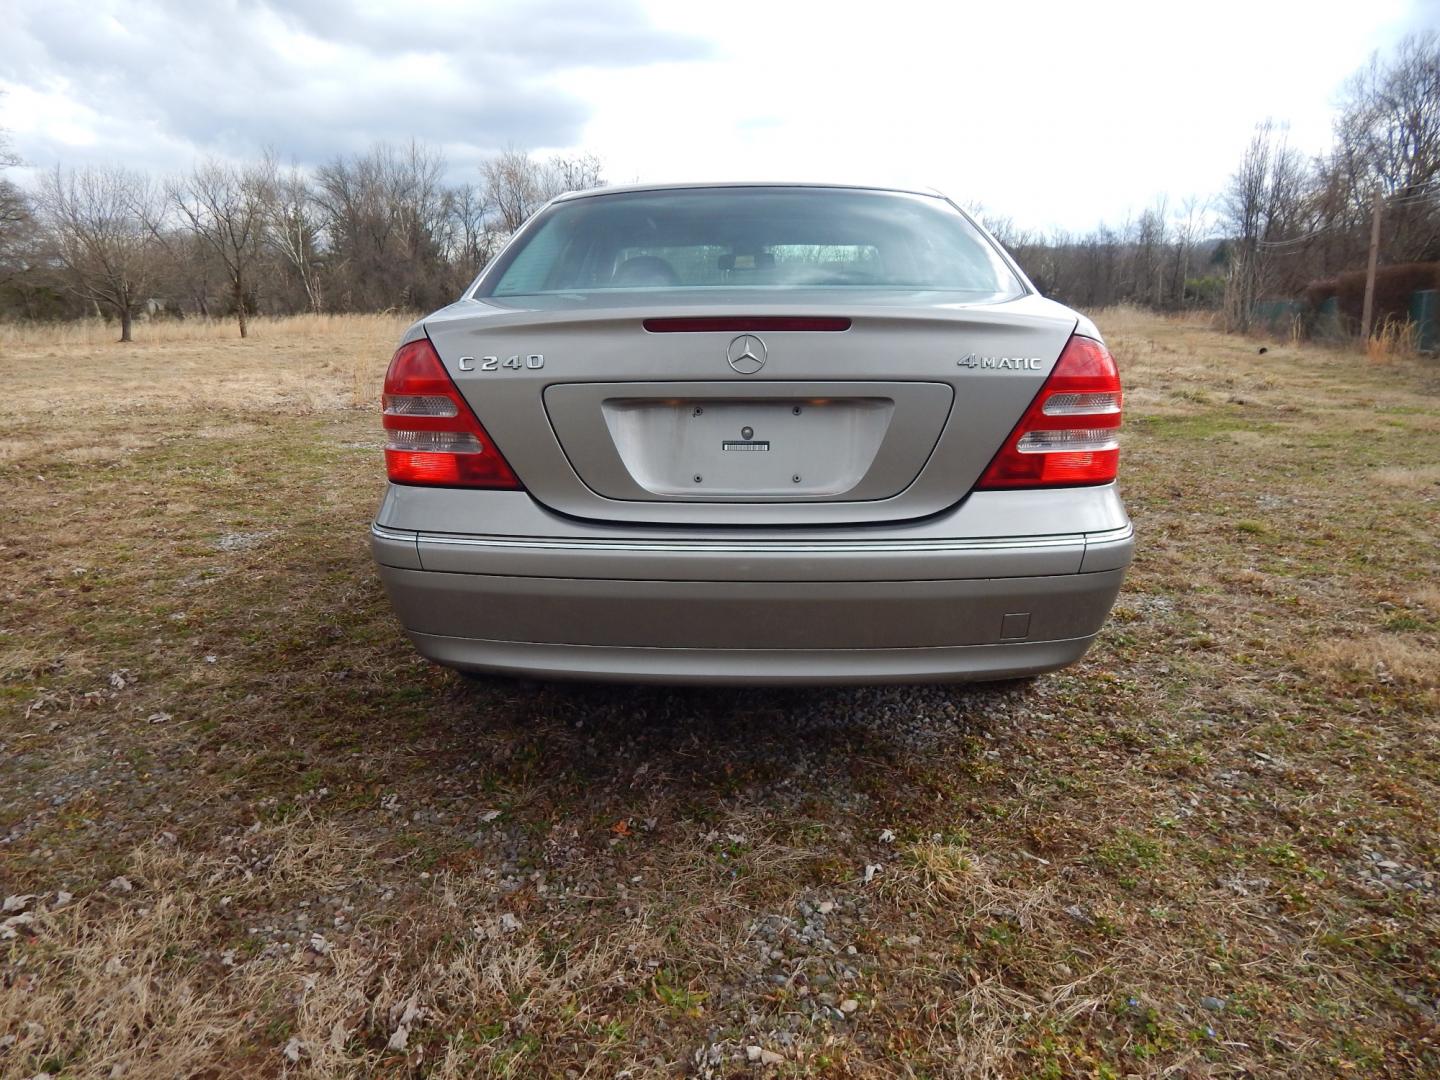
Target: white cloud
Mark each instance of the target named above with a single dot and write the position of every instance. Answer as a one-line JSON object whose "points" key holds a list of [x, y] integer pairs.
{"points": [[1055, 113], [160, 82]]}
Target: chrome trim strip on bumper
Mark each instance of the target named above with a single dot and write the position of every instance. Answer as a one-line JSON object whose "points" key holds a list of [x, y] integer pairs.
{"points": [[754, 547]]}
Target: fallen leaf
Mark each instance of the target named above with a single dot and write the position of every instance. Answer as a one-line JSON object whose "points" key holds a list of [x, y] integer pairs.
{"points": [[11, 927]]}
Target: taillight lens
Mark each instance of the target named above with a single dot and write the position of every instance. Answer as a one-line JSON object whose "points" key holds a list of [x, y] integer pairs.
{"points": [[1069, 434], [431, 434]]}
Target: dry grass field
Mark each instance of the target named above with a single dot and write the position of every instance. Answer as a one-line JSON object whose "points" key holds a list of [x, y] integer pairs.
{"points": [[244, 831]]}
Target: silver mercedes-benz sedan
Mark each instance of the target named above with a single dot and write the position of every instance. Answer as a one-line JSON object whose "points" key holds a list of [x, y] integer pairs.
{"points": [[752, 433]]}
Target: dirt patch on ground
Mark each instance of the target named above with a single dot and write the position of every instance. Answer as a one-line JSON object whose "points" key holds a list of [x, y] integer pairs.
{"points": [[245, 831]]}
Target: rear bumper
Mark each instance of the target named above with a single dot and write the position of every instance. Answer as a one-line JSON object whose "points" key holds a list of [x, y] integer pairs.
{"points": [[903, 603], [751, 667]]}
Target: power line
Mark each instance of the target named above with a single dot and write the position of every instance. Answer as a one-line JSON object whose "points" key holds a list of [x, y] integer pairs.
{"points": [[1297, 240], [1403, 200], [1421, 192], [1407, 200]]}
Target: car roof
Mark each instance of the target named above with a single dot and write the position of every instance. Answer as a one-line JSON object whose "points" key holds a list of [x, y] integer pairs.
{"points": [[688, 185]]}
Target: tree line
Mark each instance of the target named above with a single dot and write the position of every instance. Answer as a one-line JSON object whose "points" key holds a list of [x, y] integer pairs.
{"points": [[1164, 258], [1297, 221], [1284, 221], [383, 229], [371, 231]]}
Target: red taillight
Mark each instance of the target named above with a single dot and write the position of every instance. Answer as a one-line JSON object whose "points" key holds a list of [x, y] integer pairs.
{"points": [[431, 435], [1068, 435]]}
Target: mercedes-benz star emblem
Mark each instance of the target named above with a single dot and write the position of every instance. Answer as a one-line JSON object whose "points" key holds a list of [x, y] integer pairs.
{"points": [[746, 354]]}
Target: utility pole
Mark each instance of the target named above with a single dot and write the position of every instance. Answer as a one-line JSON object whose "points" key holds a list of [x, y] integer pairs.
{"points": [[1367, 314]]}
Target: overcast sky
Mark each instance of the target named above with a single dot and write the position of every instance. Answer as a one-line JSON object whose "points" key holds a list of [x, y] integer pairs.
{"points": [[1058, 114]]}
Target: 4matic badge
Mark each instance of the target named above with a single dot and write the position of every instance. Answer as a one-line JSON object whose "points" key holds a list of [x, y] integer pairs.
{"points": [[1002, 363]]}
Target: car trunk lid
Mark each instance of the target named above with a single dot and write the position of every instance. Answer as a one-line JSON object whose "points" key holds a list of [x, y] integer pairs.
{"points": [[834, 407]]}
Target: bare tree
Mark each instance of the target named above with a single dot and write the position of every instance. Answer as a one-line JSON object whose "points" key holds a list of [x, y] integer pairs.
{"points": [[16, 231], [579, 173], [471, 243], [1243, 207], [1390, 117], [1151, 238], [514, 187], [16, 219], [1261, 206], [384, 214], [101, 224], [1388, 140], [224, 206], [192, 270], [293, 226], [1188, 223], [516, 184]]}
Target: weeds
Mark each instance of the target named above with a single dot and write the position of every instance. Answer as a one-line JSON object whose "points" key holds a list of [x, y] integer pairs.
{"points": [[329, 858], [1393, 339]]}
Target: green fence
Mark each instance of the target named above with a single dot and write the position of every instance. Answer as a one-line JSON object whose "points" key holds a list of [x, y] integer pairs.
{"points": [[1277, 316], [1328, 323], [1425, 314]]}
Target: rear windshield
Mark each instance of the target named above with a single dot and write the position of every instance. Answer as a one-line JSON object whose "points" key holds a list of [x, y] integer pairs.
{"points": [[772, 238]]}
